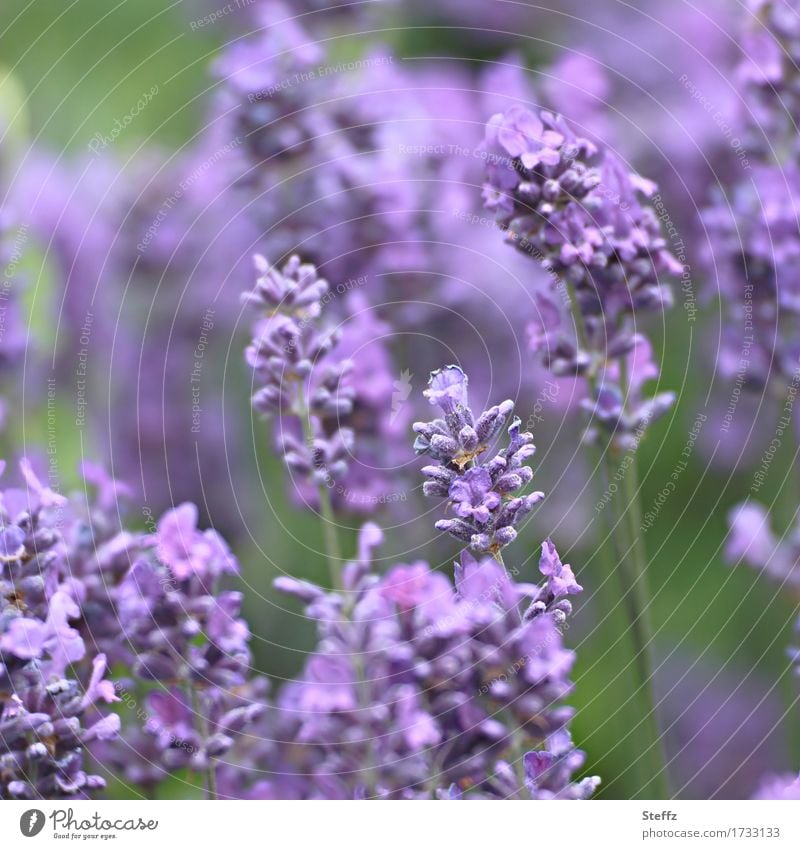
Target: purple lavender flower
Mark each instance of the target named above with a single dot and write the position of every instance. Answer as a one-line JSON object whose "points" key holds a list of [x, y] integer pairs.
{"points": [[295, 380], [588, 225], [417, 686], [481, 491], [48, 714]]}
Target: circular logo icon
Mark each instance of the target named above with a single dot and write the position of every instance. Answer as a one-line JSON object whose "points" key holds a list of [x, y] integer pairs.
{"points": [[31, 822]]}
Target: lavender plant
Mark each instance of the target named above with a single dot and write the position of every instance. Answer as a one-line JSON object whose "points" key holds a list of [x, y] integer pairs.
{"points": [[589, 224], [600, 243], [297, 382], [418, 689]]}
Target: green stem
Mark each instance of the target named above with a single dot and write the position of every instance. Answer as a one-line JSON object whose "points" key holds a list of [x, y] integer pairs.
{"points": [[329, 535], [210, 771], [631, 572]]}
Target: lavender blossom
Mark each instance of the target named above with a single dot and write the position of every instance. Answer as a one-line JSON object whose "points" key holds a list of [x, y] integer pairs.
{"points": [[295, 380], [752, 541], [590, 227], [482, 491], [48, 717], [189, 636], [420, 689]]}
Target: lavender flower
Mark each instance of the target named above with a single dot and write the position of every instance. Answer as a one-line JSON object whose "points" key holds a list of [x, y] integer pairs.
{"points": [[418, 688], [48, 717], [188, 635], [752, 541], [483, 492], [288, 358], [588, 226]]}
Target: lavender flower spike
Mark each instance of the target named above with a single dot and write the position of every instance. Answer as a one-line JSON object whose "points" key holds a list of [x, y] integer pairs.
{"points": [[587, 220], [483, 493], [296, 377]]}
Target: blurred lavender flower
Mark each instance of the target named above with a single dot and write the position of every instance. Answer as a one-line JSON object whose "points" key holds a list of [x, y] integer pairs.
{"points": [[751, 540], [768, 74], [189, 635], [419, 689], [481, 491], [779, 788], [755, 256]]}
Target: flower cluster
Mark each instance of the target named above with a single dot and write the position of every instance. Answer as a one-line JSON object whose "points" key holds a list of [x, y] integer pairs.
{"points": [[483, 491], [51, 684], [601, 243], [289, 360], [753, 252], [185, 633], [419, 689]]}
